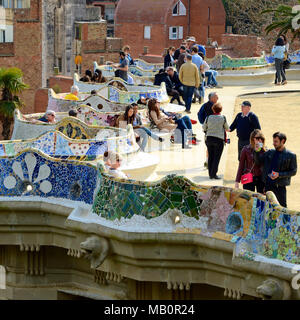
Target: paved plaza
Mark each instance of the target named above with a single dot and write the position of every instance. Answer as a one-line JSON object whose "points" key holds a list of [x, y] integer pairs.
{"points": [[190, 162]]}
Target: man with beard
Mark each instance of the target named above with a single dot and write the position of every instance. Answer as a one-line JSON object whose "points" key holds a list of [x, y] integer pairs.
{"points": [[280, 165]]}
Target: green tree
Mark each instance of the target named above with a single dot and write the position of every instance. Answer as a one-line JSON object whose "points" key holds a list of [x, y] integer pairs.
{"points": [[284, 20], [11, 85], [244, 17]]}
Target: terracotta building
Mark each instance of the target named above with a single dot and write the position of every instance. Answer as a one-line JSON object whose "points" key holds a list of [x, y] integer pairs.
{"points": [[160, 24], [46, 36], [108, 8]]}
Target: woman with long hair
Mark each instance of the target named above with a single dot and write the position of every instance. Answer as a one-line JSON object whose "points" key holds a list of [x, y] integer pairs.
{"points": [[248, 165], [278, 52], [98, 77], [165, 123], [128, 118]]}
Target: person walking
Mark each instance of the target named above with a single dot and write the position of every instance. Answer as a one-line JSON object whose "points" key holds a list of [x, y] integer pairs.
{"points": [[249, 173], [244, 123], [205, 111], [198, 61], [214, 127], [189, 77], [278, 51], [280, 165]]}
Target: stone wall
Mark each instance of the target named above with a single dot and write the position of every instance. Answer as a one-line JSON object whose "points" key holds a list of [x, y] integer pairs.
{"points": [[243, 45]]}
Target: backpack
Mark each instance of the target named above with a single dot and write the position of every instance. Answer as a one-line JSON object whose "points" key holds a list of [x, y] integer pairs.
{"points": [[202, 115]]}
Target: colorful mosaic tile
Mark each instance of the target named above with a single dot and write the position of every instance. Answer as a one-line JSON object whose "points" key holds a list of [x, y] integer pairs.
{"points": [[33, 173]]}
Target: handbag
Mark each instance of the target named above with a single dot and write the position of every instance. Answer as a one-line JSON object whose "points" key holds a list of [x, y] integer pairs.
{"points": [[247, 177]]}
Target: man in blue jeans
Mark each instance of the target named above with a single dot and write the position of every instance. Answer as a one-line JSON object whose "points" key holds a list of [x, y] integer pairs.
{"points": [[189, 77]]}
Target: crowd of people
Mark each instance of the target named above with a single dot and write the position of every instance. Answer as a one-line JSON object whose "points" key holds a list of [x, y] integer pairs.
{"points": [[259, 170], [186, 75], [185, 71]]}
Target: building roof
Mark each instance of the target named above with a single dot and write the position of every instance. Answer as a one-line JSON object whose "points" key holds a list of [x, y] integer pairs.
{"points": [[143, 11]]}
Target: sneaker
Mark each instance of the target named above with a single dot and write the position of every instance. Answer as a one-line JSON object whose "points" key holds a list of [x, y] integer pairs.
{"points": [[277, 84], [216, 177], [218, 86], [188, 111], [284, 82], [181, 103]]}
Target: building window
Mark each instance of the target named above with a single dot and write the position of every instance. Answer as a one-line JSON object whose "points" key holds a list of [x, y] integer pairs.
{"points": [[147, 32], [60, 64], [77, 32], [2, 36], [6, 33], [15, 4], [208, 13], [179, 9], [208, 32], [175, 33]]}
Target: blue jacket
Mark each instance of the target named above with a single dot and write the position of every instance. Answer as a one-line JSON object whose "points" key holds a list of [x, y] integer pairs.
{"points": [[278, 52]]}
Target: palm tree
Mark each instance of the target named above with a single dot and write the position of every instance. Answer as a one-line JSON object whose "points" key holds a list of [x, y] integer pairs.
{"points": [[284, 20], [11, 85]]}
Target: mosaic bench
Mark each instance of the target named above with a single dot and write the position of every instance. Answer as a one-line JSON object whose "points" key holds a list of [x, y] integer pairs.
{"points": [[224, 62], [119, 140], [33, 173], [155, 67], [57, 103], [120, 91], [109, 72], [256, 223], [57, 144]]}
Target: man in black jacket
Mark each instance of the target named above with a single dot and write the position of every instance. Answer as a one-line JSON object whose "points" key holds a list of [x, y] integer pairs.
{"points": [[279, 166], [162, 76], [173, 75], [244, 123]]}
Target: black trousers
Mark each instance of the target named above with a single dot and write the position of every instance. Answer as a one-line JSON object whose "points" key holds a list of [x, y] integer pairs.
{"points": [[174, 94], [257, 183], [215, 148], [241, 145], [280, 193]]}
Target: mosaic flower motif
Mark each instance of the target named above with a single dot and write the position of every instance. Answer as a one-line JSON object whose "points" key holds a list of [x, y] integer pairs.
{"points": [[44, 172]]}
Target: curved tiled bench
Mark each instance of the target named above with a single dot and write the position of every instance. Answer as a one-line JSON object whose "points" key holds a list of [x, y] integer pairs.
{"points": [[57, 144], [155, 67], [109, 72], [120, 91], [57, 103], [258, 225], [33, 173]]}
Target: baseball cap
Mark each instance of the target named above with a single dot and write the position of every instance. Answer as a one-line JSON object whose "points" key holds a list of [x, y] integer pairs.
{"points": [[246, 104], [191, 39]]}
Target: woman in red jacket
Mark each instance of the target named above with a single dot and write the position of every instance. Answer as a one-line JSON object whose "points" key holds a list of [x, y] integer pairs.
{"points": [[247, 164]]}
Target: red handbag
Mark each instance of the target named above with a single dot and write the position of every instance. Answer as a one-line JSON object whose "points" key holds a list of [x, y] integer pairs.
{"points": [[247, 177]]}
